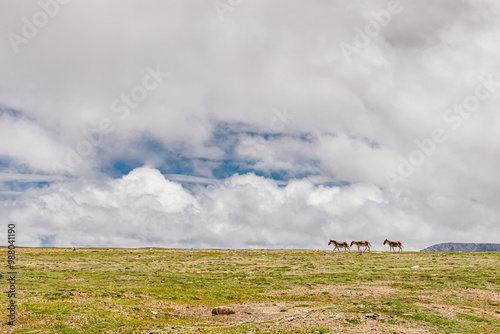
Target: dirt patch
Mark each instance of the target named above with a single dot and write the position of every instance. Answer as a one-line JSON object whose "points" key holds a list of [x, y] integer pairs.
{"points": [[344, 322], [249, 312], [269, 318], [482, 295], [275, 317]]}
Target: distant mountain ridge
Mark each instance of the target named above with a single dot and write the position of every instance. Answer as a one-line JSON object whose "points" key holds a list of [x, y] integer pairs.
{"points": [[462, 247]]}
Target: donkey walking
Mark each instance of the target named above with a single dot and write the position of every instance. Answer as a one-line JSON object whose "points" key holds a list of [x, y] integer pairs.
{"points": [[339, 245], [393, 245], [365, 244]]}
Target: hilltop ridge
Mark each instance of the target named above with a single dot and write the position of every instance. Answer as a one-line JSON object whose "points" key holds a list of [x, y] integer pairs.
{"points": [[463, 247]]}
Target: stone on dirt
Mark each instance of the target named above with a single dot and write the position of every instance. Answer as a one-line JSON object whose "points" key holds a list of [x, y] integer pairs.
{"points": [[222, 310]]}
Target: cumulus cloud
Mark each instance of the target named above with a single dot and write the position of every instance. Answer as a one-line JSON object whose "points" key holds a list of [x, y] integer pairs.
{"points": [[145, 209]]}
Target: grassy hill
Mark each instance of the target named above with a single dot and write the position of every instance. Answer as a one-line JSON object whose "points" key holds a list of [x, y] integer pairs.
{"points": [[286, 291]]}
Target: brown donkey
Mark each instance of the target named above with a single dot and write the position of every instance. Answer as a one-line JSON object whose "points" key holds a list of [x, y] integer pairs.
{"points": [[339, 245], [365, 244], [394, 244]]}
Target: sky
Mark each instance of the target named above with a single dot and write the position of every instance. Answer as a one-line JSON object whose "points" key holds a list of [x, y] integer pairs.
{"points": [[249, 123]]}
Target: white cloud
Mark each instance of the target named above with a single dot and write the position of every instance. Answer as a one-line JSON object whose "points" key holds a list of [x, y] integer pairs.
{"points": [[26, 142], [145, 209], [30, 177], [353, 121]]}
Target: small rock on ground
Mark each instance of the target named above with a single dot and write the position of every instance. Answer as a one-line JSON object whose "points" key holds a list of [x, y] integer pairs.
{"points": [[222, 310]]}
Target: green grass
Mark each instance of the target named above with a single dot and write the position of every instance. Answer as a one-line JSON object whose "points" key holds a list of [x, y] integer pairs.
{"points": [[115, 291]]}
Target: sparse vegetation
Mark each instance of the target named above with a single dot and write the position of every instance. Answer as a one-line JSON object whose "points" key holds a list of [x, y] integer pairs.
{"points": [[291, 291]]}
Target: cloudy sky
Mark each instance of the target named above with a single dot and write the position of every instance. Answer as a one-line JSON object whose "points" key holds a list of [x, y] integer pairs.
{"points": [[249, 123]]}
